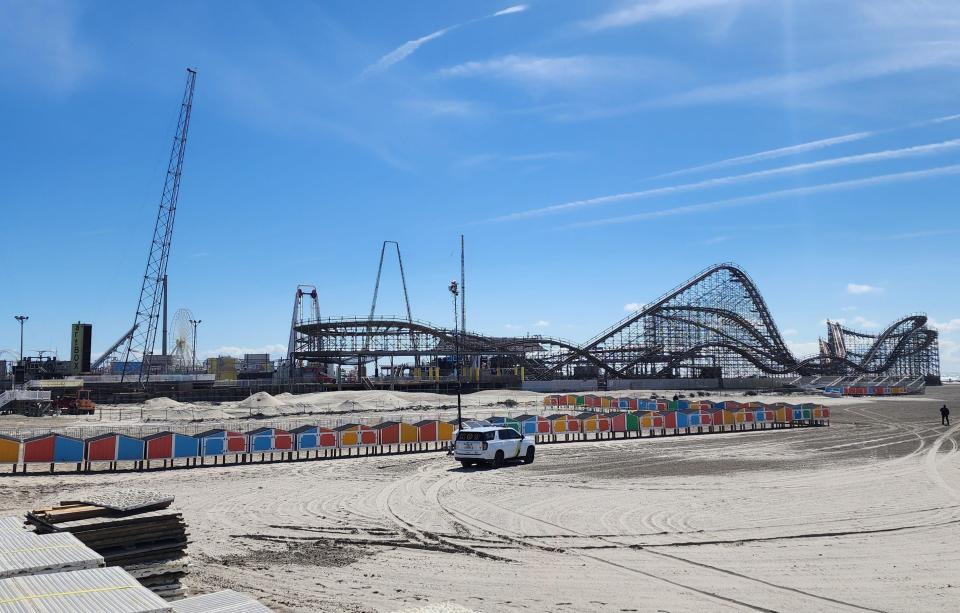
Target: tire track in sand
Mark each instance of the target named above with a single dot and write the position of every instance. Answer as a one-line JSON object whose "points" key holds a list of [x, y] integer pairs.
{"points": [[931, 462], [465, 518]]}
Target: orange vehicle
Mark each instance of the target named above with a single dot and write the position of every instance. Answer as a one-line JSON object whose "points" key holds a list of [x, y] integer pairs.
{"points": [[78, 403]]}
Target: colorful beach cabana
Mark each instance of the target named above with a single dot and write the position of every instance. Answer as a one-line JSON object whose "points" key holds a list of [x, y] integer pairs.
{"points": [[624, 421], [533, 424], [221, 442], [113, 447], [562, 423], [9, 449], [52, 447], [505, 422], [593, 422], [396, 433], [170, 445], [356, 435], [268, 440], [312, 438]]}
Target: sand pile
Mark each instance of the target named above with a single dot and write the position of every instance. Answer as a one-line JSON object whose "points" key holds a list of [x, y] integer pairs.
{"points": [[162, 403], [259, 400]]}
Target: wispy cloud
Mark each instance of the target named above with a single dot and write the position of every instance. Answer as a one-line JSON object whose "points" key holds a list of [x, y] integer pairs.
{"points": [[653, 10], [554, 71], [510, 10], [41, 40], [541, 323], [863, 322], [862, 288], [772, 154], [443, 107], [914, 58], [899, 177], [952, 325], [408, 48], [630, 307], [907, 59], [716, 240], [863, 158], [807, 147]]}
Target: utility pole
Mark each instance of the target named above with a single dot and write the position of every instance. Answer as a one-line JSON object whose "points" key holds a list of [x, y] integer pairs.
{"points": [[195, 323], [454, 290], [163, 339], [463, 297], [21, 319]]}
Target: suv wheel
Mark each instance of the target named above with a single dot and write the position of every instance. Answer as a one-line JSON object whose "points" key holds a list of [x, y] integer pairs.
{"points": [[529, 457], [498, 459]]}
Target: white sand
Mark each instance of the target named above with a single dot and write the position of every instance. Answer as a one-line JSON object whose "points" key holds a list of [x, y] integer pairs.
{"points": [[861, 515]]}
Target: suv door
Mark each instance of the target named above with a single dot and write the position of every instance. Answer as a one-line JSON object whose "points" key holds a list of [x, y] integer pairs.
{"points": [[510, 442]]}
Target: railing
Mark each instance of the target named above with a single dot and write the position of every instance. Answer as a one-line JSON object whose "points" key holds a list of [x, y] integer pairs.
{"points": [[28, 395]]}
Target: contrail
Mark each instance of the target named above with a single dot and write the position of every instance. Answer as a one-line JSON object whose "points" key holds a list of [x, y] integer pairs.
{"points": [[863, 158], [783, 193], [802, 147], [408, 48]]}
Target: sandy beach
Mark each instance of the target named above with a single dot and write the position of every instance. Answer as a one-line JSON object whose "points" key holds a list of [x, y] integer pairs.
{"points": [[858, 516]]}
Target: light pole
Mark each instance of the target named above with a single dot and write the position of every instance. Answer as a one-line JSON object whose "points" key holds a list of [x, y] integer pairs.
{"points": [[455, 291], [21, 319], [195, 323]]}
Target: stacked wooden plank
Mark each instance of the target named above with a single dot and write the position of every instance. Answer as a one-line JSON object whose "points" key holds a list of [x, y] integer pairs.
{"points": [[134, 530]]}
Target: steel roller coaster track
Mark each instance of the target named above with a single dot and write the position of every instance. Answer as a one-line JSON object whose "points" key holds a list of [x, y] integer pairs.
{"points": [[715, 324]]}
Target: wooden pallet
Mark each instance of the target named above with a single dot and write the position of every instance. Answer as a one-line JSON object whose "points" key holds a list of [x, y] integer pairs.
{"points": [[150, 538]]}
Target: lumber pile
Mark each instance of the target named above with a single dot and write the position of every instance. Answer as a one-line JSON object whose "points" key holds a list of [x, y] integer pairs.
{"points": [[133, 529]]}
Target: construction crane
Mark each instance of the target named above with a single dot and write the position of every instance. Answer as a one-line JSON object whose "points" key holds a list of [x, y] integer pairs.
{"points": [[142, 335]]}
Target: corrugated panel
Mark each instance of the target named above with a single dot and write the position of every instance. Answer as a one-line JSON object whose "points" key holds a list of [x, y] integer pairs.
{"points": [[26, 553], [14, 524], [81, 591], [226, 601]]}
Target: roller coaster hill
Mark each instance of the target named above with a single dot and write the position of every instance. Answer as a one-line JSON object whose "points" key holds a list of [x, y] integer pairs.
{"points": [[714, 330]]}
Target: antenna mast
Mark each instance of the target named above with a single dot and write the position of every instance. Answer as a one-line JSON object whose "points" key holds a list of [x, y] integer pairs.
{"points": [[143, 338]]}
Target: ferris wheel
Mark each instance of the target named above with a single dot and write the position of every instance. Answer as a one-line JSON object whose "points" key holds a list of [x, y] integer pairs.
{"points": [[181, 337]]}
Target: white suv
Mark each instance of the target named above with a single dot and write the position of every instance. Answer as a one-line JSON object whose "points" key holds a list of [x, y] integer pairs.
{"points": [[492, 445]]}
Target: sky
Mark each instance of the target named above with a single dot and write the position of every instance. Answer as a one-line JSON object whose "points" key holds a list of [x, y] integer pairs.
{"points": [[593, 154]]}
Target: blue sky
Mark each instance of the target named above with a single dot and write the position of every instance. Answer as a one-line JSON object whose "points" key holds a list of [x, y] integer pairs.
{"points": [[595, 154]]}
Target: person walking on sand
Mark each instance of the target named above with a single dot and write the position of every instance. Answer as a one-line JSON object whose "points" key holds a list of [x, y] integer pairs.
{"points": [[944, 416]]}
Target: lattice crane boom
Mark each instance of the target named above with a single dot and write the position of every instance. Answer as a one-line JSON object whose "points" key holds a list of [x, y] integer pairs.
{"points": [[141, 341]]}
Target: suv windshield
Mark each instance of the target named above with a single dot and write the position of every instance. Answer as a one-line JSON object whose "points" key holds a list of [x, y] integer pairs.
{"points": [[475, 436]]}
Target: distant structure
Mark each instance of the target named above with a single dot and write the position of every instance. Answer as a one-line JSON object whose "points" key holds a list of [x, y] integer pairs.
{"points": [[714, 326], [182, 340]]}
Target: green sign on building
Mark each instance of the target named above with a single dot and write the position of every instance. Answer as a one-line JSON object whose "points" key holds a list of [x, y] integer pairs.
{"points": [[80, 338]]}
